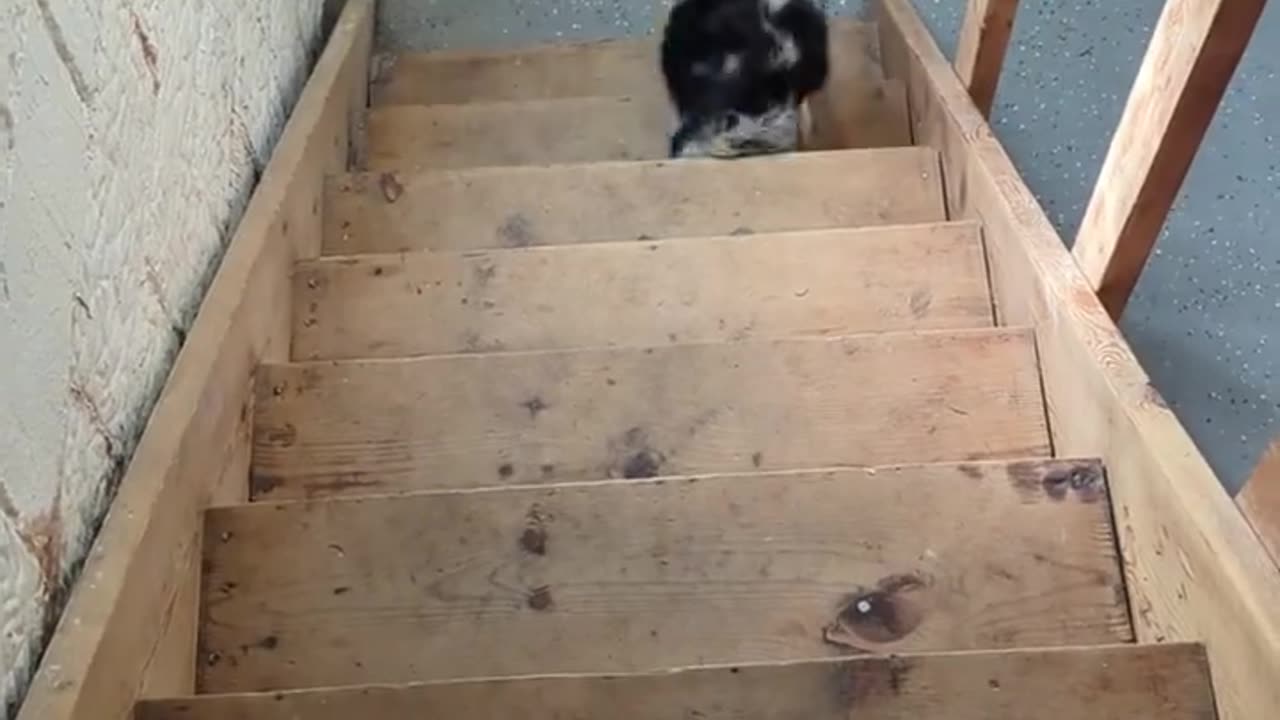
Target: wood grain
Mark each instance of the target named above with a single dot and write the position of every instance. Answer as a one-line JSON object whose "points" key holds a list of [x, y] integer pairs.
{"points": [[980, 51], [1194, 51], [624, 67], [1195, 569], [497, 419], [857, 108], [1115, 682], [572, 70], [124, 627], [409, 138], [826, 282], [624, 576], [524, 206], [1259, 499]]}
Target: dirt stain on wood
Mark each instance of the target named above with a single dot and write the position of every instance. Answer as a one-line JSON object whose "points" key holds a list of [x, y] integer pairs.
{"points": [[888, 613], [517, 232], [390, 186]]}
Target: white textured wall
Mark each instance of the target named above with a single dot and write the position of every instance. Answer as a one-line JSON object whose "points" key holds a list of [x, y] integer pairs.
{"points": [[131, 132]]}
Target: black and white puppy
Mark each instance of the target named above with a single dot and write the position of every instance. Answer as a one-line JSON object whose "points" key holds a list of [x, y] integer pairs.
{"points": [[739, 71]]}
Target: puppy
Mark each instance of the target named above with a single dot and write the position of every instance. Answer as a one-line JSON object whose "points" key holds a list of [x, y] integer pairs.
{"points": [[739, 71]]}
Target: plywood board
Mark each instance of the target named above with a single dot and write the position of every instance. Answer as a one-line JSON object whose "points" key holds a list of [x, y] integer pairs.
{"points": [[825, 282], [526, 206], [641, 575], [496, 419]]}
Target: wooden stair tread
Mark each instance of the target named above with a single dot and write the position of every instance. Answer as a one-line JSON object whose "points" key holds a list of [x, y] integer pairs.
{"points": [[1114, 682], [825, 282], [624, 66], [627, 66], [537, 132], [621, 576], [482, 208], [355, 427], [410, 138]]}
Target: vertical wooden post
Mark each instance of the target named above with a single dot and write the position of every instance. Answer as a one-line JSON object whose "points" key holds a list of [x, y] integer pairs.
{"points": [[1259, 499], [1193, 53], [984, 38]]}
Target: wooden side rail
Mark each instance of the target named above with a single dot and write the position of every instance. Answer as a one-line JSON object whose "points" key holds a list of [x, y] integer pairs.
{"points": [[1259, 499], [984, 38], [1194, 568], [1194, 51]]}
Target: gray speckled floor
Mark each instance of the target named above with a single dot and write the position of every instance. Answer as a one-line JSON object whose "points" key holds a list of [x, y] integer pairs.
{"points": [[1207, 312]]}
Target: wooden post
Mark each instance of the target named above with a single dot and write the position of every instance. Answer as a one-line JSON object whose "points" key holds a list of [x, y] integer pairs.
{"points": [[1193, 53], [984, 37], [1260, 499]]}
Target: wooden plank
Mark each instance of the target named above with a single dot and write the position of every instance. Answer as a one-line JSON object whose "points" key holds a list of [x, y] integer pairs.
{"points": [[1194, 51], [624, 67], [1259, 499], [641, 575], [1195, 569], [171, 667], [858, 115], [569, 70], [482, 420], [523, 206], [411, 138], [1115, 682], [112, 638], [980, 51], [825, 282]]}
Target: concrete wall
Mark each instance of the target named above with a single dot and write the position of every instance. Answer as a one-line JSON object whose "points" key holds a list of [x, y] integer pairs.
{"points": [[131, 133], [1204, 318]]}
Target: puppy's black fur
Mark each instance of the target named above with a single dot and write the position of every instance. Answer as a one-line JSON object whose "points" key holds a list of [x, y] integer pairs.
{"points": [[738, 70]]}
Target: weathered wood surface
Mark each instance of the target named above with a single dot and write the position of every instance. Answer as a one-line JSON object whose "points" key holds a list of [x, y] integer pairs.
{"points": [[525, 206], [1259, 499], [624, 66], [356, 427], [1117, 682], [1196, 571], [410, 138], [574, 70], [641, 575], [826, 282], [984, 39]]}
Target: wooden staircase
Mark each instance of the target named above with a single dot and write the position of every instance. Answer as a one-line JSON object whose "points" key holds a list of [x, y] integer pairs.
{"points": [[504, 414], [711, 439]]}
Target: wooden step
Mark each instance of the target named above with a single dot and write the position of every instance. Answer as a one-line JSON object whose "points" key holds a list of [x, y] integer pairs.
{"points": [[612, 67], [483, 208], [622, 576], [534, 132], [410, 138], [624, 66], [1114, 682], [823, 282], [355, 427]]}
